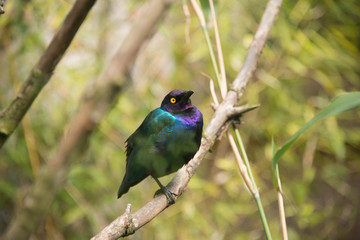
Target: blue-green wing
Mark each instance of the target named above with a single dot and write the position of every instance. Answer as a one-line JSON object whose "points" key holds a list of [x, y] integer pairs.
{"points": [[152, 131]]}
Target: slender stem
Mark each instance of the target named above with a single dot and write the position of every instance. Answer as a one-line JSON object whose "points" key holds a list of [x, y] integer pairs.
{"points": [[212, 56], [198, 12], [262, 216], [201, 18], [243, 153], [281, 208], [223, 88], [256, 195], [242, 167], [187, 20], [213, 94]]}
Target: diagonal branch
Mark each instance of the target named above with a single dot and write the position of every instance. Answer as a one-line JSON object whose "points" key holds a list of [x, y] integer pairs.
{"points": [[98, 102], [128, 223], [41, 73]]}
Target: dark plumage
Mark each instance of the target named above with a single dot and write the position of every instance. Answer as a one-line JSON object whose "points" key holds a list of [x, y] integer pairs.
{"points": [[166, 140]]}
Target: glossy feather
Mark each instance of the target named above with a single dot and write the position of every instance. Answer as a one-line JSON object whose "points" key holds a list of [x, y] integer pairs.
{"points": [[167, 139]]}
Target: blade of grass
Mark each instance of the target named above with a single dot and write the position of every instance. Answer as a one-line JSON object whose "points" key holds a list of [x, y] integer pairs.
{"points": [[201, 18], [223, 87], [339, 104], [256, 194], [280, 198]]}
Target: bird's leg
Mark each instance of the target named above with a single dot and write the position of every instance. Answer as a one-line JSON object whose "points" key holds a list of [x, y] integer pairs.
{"points": [[169, 194]]}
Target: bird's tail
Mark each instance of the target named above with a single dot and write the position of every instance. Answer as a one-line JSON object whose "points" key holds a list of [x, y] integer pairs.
{"points": [[130, 181], [124, 188]]}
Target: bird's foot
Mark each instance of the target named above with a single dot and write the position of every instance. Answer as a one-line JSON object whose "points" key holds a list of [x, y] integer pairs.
{"points": [[169, 194]]}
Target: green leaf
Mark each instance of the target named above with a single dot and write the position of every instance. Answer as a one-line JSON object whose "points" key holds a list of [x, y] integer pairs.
{"points": [[276, 172], [205, 6], [339, 104], [273, 147]]}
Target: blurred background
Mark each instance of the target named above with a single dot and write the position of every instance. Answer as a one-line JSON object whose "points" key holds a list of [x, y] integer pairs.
{"points": [[311, 56]]}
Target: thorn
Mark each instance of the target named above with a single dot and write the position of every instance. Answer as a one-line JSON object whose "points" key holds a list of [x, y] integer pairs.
{"points": [[213, 106], [236, 112]]}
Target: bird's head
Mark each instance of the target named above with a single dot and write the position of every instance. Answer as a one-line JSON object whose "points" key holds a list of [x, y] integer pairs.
{"points": [[177, 100]]}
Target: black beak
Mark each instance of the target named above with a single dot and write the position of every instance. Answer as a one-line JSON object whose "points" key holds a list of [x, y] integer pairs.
{"points": [[187, 95], [185, 99]]}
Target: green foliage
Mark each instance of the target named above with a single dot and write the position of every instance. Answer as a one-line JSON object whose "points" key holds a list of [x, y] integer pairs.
{"points": [[340, 104], [311, 57]]}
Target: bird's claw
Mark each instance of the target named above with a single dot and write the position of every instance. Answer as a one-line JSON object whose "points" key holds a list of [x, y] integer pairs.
{"points": [[168, 194]]}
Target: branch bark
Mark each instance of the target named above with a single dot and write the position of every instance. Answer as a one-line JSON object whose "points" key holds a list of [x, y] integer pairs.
{"points": [[128, 223], [2, 3], [41, 73], [99, 99]]}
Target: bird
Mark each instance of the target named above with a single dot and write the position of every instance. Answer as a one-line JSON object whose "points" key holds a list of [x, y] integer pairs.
{"points": [[167, 139]]}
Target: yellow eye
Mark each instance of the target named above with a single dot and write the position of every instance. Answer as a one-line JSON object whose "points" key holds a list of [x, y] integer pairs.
{"points": [[173, 100]]}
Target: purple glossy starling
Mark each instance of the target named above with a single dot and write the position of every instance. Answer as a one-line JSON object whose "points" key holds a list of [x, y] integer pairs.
{"points": [[166, 140]]}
